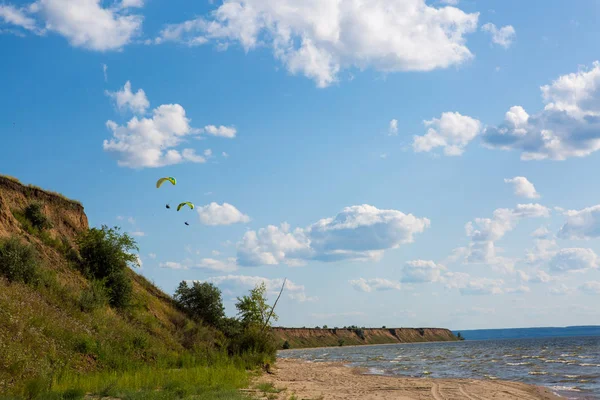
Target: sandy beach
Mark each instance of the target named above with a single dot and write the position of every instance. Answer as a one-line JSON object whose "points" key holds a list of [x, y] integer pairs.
{"points": [[328, 380]]}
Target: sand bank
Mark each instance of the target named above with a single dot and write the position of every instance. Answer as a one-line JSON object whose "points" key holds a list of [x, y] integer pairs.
{"points": [[328, 380]]}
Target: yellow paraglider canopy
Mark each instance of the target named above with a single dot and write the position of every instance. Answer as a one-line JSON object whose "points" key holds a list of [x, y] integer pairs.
{"points": [[184, 204], [163, 180]]}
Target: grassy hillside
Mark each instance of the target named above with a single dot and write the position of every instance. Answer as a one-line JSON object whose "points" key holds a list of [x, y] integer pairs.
{"points": [[59, 338], [298, 338]]}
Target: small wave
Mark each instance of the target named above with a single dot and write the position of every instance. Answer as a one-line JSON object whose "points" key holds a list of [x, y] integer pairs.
{"points": [[572, 376], [538, 373], [490, 377], [376, 371], [589, 365], [557, 361], [566, 388], [519, 363]]}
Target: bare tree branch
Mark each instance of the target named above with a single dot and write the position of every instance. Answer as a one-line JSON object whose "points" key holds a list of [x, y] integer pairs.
{"points": [[273, 308]]}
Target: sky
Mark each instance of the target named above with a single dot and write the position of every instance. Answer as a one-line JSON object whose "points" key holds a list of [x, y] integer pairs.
{"points": [[399, 162]]}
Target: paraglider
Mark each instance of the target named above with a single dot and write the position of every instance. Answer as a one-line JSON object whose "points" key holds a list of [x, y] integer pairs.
{"points": [[184, 204], [187, 223], [163, 180], [168, 206]]}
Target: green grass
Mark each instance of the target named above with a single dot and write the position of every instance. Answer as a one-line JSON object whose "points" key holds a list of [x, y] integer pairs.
{"points": [[268, 388]]}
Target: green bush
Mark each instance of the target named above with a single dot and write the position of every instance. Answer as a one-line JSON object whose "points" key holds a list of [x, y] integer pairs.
{"points": [[73, 394], [35, 215], [18, 261], [286, 345], [94, 297], [120, 289], [104, 255], [201, 301]]}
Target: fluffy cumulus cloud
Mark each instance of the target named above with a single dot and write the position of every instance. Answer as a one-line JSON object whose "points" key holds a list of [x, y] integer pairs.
{"points": [[422, 271], [236, 282], [359, 232], [573, 260], [125, 99], [152, 141], [503, 36], [452, 131], [374, 284], [568, 126], [581, 224], [173, 265], [320, 38], [523, 187], [84, 23], [216, 214], [484, 232]]}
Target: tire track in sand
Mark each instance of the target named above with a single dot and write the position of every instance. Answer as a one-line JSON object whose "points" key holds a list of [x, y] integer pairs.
{"points": [[467, 395], [435, 392]]}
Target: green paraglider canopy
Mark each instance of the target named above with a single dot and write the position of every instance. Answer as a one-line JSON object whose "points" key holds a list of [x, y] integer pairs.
{"points": [[163, 180], [185, 203]]}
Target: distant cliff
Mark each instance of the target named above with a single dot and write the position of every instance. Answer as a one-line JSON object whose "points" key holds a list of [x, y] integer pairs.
{"points": [[298, 338]]}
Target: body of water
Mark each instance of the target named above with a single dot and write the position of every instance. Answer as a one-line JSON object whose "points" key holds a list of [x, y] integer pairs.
{"points": [[569, 366]]}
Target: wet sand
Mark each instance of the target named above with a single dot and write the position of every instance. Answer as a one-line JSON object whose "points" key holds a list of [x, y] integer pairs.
{"points": [[332, 380]]}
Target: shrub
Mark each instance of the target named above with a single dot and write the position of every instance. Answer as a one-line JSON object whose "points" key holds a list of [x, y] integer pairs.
{"points": [[73, 394], [201, 301], [286, 345], [18, 261], [104, 255], [35, 215], [340, 342], [104, 251], [120, 289], [94, 297]]}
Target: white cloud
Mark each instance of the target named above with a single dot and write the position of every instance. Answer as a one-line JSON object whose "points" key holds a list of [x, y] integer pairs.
{"points": [[503, 36], [214, 214], [421, 271], [591, 287], [543, 250], [573, 260], [229, 265], [377, 284], [132, 3], [568, 126], [542, 233], [125, 99], [484, 232], [172, 265], [152, 256], [540, 276], [452, 131], [449, 2], [225, 155], [105, 71], [561, 290], [523, 187], [18, 17], [150, 142], [393, 129], [582, 224], [293, 290], [518, 290], [85, 23], [456, 280], [357, 233], [482, 286], [138, 233], [319, 39], [221, 131]]}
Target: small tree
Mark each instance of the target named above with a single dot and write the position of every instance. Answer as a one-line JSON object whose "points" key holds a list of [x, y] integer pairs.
{"points": [[36, 216], [105, 254], [253, 309], [202, 300], [460, 336]]}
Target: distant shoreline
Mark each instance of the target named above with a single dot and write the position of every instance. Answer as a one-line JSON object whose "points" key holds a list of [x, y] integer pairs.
{"points": [[371, 345]]}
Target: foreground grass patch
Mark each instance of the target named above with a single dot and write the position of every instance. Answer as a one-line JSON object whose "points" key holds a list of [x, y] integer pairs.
{"points": [[220, 381]]}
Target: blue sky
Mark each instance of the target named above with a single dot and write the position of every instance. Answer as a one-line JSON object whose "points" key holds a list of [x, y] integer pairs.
{"points": [[407, 163]]}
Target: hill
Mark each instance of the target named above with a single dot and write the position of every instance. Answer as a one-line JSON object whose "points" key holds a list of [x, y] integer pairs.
{"points": [[58, 332], [298, 338]]}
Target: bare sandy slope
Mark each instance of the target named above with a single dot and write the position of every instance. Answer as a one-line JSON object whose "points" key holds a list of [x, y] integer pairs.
{"points": [[335, 381]]}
